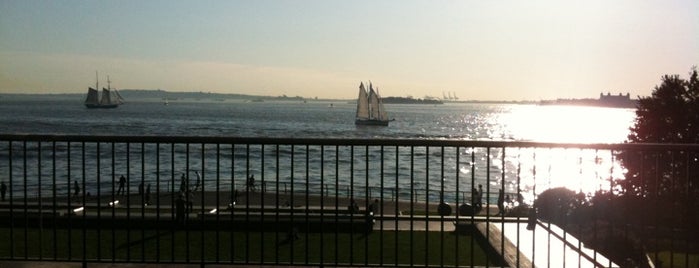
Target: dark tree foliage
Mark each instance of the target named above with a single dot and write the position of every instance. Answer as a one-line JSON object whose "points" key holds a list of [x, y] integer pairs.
{"points": [[669, 115]]}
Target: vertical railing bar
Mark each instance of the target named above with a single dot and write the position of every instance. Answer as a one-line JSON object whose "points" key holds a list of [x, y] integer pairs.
{"points": [[351, 190], [113, 157], [53, 198], [580, 172], [291, 198], [69, 211], [548, 223], [519, 203], [188, 200], [441, 201], [474, 195], [533, 214], [412, 205], [276, 197], [688, 207], [11, 188], [644, 195], [487, 198], [657, 197], [366, 204], [157, 199], [337, 201], [38, 189], [397, 210], [457, 178], [143, 201], [203, 211], [234, 192], [24, 198], [501, 199], [380, 206], [672, 209], [427, 204], [322, 203], [262, 201], [99, 199], [173, 205], [84, 216], [247, 203], [306, 243], [128, 198], [218, 201]]}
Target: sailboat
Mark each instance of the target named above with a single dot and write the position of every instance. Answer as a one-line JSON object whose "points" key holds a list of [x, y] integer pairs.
{"points": [[110, 97], [370, 110]]}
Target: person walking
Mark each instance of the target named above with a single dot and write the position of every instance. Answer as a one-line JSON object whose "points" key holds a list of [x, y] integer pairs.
{"points": [[147, 197], [501, 202], [479, 197], [76, 188], [122, 183]]}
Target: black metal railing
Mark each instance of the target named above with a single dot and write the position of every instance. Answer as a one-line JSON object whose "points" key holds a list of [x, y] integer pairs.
{"points": [[350, 202]]}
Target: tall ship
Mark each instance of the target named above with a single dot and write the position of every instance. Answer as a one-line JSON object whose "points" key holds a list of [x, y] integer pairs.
{"points": [[110, 97], [370, 110]]}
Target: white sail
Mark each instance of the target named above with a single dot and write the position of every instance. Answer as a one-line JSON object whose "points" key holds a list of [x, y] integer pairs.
{"points": [[106, 97], [370, 110], [362, 103]]}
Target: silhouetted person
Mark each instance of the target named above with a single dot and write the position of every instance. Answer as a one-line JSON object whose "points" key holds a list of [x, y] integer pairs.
{"points": [[122, 183], [190, 201], [140, 189], [183, 184], [147, 197], [179, 210], [479, 197], [234, 200], [369, 217], [3, 190], [353, 207], [76, 188], [196, 184], [374, 208], [251, 183]]}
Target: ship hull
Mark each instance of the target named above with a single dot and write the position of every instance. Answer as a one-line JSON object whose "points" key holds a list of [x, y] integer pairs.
{"points": [[101, 106], [370, 122]]}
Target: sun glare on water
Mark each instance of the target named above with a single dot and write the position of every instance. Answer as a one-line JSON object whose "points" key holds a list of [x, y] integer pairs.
{"points": [[583, 170], [567, 124]]}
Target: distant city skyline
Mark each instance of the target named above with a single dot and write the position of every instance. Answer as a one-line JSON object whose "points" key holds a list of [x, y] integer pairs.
{"points": [[477, 50]]}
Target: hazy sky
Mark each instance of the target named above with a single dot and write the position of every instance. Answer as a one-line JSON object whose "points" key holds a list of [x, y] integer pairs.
{"points": [[482, 50]]}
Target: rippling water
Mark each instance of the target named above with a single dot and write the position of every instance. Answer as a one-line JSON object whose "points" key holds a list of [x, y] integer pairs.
{"points": [[430, 167]]}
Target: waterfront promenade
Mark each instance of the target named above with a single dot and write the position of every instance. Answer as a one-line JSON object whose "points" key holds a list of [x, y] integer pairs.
{"points": [[508, 236]]}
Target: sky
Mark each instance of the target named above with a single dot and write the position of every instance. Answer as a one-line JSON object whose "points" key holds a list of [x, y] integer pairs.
{"points": [[477, 50]]}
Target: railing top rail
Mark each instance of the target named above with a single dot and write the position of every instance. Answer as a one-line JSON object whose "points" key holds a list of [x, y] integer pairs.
{"points": [[345, 142]]}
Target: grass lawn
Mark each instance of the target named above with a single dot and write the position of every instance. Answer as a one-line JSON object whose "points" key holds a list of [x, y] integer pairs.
{"points": [[387, 247], [676, 259]]}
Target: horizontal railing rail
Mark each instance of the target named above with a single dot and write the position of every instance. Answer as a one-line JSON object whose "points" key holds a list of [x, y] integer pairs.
{"points": [[350, 202]]}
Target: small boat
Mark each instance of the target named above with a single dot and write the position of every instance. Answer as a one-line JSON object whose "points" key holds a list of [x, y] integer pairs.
{"points": [[110, 98], [370, 110]]}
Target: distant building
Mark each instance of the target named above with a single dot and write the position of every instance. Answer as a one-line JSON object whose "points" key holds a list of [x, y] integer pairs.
{"points": [[608, 100], [620, 99]]}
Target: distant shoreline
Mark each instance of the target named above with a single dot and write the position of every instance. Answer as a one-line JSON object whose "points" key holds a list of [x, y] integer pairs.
{"points": [[140, 95]]}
